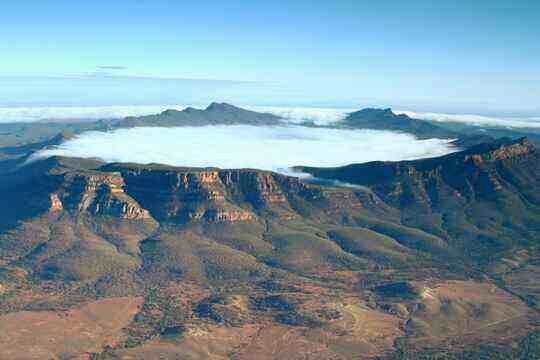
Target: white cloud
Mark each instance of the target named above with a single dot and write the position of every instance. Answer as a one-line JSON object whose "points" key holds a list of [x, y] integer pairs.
{"points": [[269, 148], [294, 115], [321, 116], [33, 114], [476, 120]]}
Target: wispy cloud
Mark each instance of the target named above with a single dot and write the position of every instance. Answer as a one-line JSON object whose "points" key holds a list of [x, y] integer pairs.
{"points": [[270, 148], [318, 115], [96, 75], [112, 67]]}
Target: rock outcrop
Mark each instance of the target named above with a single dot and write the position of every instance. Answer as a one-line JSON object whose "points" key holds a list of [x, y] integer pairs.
{"points": [[177, 195], [483, 171], [96, 193], [185, 194]]}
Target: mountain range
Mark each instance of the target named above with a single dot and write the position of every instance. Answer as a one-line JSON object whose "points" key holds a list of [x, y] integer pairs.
{"points": [[16, 138], [214, 114], [430, 258], [385, 119]]}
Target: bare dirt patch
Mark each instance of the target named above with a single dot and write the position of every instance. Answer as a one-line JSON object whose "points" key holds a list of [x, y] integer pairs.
{"points": [[56, 335]]}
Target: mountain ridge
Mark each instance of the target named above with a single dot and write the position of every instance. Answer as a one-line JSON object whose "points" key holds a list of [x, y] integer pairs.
{"points": [[385, 119], [214, 114], [470, 197]]}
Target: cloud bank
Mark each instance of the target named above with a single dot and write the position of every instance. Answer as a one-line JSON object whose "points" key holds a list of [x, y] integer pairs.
{"points": [[294, 115], [327, 116], [268, 148], [476, 120], [320, 116], [77, 113]]}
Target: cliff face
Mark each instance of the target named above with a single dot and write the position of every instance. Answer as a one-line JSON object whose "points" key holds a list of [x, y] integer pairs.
{"points": [[92, 220], [96, 193], [483, 172], [181, 195], [186, 195]]}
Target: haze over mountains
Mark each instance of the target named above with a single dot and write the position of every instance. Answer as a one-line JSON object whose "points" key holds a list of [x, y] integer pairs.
{"points": [[116, 258]]}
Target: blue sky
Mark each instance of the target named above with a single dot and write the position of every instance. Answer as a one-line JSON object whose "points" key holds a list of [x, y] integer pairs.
{"points": [[460, 56]]}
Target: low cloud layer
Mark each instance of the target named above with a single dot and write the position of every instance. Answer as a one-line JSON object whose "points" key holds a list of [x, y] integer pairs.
{"points": [[320, 116], [476, 120], [295, 115], [77, 113], [268, 148]]}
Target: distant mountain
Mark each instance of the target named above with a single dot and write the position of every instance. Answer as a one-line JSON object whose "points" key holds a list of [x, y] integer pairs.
{"points": [[385, 119], [13, 151], [214, 114], [493, 132]]}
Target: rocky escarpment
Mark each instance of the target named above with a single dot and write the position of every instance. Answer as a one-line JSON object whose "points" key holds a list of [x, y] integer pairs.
{"points": [[481, 199], [186, 194], [96, 193], [484, 171], [173, 194]]}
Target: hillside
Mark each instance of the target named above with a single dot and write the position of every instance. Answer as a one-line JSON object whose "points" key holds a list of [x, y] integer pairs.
{"points": [[427, 255], [484, 199]]}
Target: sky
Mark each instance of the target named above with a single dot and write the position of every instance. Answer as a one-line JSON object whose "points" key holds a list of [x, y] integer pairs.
{"points": [[480, 57]]}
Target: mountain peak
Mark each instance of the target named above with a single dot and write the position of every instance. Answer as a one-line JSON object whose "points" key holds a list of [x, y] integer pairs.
{"points": [[215, 114], [215, 106], [386, 119], [373, 112]]}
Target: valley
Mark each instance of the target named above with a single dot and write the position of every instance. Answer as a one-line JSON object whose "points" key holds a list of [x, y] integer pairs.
{"points": [[411, 259]]}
